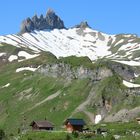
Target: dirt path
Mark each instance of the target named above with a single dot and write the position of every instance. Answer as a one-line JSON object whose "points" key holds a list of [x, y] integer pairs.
{"points": [[82, 107], [43, 101]]}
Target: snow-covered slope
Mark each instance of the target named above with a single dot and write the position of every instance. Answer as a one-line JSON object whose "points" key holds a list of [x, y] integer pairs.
{"points": [[63, 42], [78, 42]]}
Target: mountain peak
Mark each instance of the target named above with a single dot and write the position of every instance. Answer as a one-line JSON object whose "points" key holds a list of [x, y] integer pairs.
{"points": [[51, 21], [83, 24], [50, 11]]}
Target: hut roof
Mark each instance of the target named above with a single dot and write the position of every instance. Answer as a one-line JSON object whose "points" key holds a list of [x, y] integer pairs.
{"points": [[74, 121], [42, 123]]}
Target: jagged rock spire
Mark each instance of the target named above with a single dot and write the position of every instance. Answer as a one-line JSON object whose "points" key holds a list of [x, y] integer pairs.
{"points": [[51, 21], [50, 11], [27, 26]]}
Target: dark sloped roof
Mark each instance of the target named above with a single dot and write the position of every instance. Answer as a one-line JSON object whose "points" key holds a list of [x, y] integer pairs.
{"points": [[42, 123], [75, 121]]}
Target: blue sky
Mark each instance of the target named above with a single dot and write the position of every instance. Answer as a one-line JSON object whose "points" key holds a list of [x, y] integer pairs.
{"points": [[109, 16]]}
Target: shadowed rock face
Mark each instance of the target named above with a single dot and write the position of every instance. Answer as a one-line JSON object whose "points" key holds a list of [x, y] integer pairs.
{"points": [[50, 21], [27, 26]]}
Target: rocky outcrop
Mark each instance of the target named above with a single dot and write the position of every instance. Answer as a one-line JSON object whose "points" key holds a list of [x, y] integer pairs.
{"points": [[50, 21], [83, 24], [124, 71], [67, 72], [124, 115]]}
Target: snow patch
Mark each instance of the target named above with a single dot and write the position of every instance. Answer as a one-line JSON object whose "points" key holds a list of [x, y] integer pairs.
{"points": [[7, 85], [138, 58], [12, 58], [128, 35], [68, 42], [1, 54], [26, 68], [27, 55], [98, 118], [130, 85], [119, 42], [127, 46], [130, 63], [136, 75]]}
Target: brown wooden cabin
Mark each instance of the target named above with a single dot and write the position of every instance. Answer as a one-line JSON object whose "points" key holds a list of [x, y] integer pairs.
{"points": [[74, 125], [42, 125]]}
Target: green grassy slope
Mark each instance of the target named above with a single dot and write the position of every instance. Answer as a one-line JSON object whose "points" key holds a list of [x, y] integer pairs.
{"points": [[26, 98], [30, 88]]}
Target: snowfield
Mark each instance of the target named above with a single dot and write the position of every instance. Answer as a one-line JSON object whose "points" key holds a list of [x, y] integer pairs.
{"points": [[75, 42], [63, 43]]}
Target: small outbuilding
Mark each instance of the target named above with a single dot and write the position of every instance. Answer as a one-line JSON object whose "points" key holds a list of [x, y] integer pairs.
{"points": [[42, 125], [73, 124]]}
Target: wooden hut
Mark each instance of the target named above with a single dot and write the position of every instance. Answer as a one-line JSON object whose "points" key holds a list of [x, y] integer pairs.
{"points": [[74, 124], [42, 125]]}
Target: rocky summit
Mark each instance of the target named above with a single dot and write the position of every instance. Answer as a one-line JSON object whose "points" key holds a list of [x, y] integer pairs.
{"points": [[50, 21], [83, 25]]}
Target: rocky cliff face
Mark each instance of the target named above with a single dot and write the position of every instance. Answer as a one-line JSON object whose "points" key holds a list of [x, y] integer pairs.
{"points": [[50, 21], [124, 71], [65, 71], [107, 92]]}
